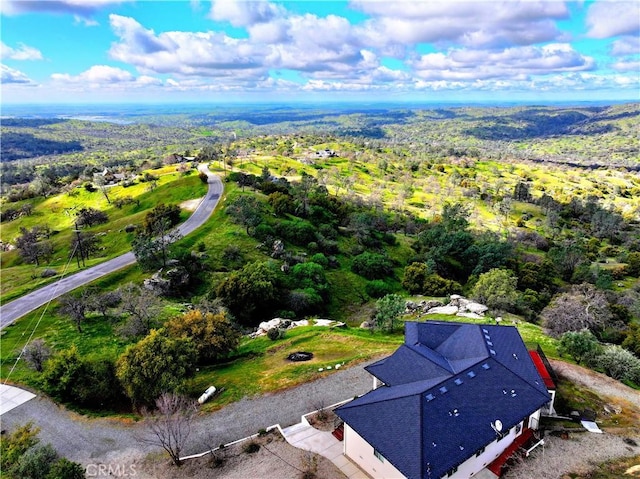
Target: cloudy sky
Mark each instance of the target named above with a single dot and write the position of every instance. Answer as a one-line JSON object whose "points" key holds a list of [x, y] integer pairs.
{"points": [[357, 50]]}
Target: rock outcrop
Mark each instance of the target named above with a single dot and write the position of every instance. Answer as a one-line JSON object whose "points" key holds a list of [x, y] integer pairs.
{"points": [[458, 305]]}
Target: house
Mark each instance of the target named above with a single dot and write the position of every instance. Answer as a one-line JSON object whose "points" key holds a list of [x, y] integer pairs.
{"points": [[449, 402], [326, 153]]}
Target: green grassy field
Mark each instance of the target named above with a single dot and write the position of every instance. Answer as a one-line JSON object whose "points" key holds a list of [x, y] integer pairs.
{"points": [[19, 278]]}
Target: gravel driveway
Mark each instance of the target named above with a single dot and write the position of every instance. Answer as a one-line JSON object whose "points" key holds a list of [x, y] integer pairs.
{"points": [[111, 441], [92, 441]]}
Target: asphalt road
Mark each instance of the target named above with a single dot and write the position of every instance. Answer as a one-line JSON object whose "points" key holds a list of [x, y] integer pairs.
{"points": [[25, 304]]}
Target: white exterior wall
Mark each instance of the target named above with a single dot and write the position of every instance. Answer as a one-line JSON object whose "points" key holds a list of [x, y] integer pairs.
{"points": [[534, 420], [475, 464], [361, 452]]}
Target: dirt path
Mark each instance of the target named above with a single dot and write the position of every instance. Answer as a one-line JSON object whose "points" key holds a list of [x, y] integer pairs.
{"points": [[582, 450], [597, 382]]}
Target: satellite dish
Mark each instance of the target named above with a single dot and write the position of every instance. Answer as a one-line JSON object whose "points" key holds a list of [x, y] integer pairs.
{"points": [[497, 425]]}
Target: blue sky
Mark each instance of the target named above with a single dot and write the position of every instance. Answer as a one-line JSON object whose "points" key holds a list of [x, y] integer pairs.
{"points": [[112, 51]]}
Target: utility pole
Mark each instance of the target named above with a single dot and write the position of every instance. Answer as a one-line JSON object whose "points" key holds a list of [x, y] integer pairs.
{"points": [[79, 249]]}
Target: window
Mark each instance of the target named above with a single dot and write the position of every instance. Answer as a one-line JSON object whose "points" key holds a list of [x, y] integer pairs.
{"points": [[443, 389], [480, 451], [471, 374], [451, 472], [518, 429], [378, 455], [458, 381]]}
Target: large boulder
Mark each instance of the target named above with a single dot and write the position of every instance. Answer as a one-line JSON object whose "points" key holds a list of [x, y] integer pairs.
{"points": [[476, 308], [443, 310], [410, 306], [432, 303]]}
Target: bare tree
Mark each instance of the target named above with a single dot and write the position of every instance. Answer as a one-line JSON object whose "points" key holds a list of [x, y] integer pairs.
{"points": [[103, 303], [31, 245], [75, 307], [36, 353], [582, 307], [169, 425], [101, 182], [141, 305]]}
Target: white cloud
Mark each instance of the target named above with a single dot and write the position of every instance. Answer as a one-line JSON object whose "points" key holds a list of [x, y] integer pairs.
{"points": [[185, 53], [515, 62], [78, 8], [607, 19], [11, 76], [305, 43], [628, 45], [627, 66], [479, 24], [22, 52], [104, 76], [242, 13]]}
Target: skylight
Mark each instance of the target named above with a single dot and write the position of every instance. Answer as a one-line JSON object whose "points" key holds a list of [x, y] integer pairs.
{"points": [[486, 366], [443, 389], [458, 381], [471, 374], [430, 397]]}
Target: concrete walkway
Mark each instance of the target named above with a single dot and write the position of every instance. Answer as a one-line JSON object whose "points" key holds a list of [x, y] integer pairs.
{"points": [[304, 436], [11, 397]]}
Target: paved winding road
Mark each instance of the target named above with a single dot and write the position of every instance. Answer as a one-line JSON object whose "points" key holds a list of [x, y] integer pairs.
{"points": [[25, 304]]}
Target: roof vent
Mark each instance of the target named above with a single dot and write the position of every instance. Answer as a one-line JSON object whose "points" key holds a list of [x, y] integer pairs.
{"points": [[454, 412], [515, 356], [513, 393]]}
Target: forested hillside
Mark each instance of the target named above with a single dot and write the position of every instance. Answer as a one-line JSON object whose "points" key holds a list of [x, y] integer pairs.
{"points": [[534, 211]]}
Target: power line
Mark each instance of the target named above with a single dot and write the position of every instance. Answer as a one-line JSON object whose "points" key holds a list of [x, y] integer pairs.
{"points": [[51, 298]]}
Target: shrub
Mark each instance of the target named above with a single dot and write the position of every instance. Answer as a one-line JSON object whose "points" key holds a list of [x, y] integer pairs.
{"points": [[320, 259], [297, 232], [378, 288], [275, 333], [414, 277], [620, 364], [580, 345], [372, 265], [251, 447], [436, 285]]}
